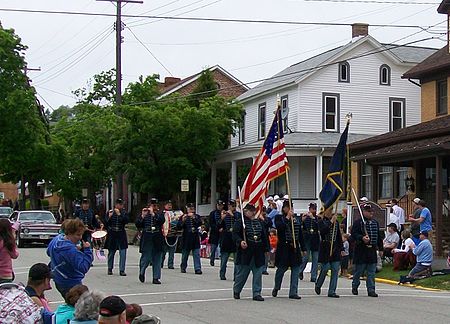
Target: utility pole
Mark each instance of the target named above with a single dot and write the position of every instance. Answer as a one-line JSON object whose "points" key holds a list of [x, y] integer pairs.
{"points": [[119, 26]]}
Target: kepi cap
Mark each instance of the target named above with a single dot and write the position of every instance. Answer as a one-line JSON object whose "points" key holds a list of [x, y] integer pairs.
{"points": [[364, 199], [112, 306], [250, 207], [367, 207], [424, 233], [119, 201], [190, 205], [312, 205]]}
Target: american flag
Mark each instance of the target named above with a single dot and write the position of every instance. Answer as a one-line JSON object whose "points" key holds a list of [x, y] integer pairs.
{"points": [[270, 163]]}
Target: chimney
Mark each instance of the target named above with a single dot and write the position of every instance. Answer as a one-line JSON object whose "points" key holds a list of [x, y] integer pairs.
{"points": [[169, 81], [360, 29]]}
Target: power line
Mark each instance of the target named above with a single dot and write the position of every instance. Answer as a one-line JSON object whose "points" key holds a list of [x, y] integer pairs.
{"points": [[377, 2], [148, 50], [54, 91], [381, 49], [225, 20]]}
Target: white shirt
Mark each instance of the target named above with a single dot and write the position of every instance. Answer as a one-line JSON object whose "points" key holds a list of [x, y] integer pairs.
{"points": [[406, 246], [397, 210], [394, 219], [279, 203]]}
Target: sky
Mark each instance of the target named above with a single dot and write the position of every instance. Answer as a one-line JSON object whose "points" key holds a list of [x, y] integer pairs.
{"points": [[71, 49]]}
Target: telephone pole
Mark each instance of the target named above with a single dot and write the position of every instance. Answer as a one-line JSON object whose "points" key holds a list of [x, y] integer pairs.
{"points": [[119, 26]]}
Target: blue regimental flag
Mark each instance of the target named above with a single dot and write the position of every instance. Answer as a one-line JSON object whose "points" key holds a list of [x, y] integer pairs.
{"points": [[333, 187]]}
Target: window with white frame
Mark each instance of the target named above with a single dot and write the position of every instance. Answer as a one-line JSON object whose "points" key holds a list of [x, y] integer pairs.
{"points": [[401, 174], [242, 130], [385, 182], [385, 75], [262, 120], [396, 113], [366, 181], [330, 111], [344, 72], [284, 106]]}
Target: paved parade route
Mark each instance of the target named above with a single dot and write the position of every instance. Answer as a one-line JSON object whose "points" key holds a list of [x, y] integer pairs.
{"points": [[190, 298]]}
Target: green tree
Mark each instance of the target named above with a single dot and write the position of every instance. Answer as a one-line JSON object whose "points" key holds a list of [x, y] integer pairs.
{"points": [[100, 91], [206, 88], [25, 151]]}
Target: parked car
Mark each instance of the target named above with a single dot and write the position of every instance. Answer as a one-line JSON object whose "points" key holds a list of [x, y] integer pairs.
{"points": [[5, 212], [35, 226]]}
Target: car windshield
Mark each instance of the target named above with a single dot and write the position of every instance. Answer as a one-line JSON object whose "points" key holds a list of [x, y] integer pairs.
{"points": [[6, 211], [37, 217]]}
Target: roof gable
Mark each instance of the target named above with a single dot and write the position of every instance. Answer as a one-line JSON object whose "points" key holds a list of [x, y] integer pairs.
{"points": [[435, 63]]}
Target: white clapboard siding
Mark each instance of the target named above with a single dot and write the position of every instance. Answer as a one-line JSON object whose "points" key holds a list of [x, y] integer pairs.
{"points": [[363, 96]]}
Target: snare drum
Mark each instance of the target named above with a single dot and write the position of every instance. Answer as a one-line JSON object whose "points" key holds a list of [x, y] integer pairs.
{"points": [[98, 239]]}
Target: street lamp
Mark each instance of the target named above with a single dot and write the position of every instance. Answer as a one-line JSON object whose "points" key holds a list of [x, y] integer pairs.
{"points": [[409, 182]]}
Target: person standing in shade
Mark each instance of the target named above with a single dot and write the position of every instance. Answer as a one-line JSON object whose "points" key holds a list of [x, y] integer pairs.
{"points": [[312, 241], [329, 253], [290, 248], [214, 234], [116, 239], [251, 249], [170, 242], [152, 241], [190, 224], [368, 239], [86, 214], [227, 246]]}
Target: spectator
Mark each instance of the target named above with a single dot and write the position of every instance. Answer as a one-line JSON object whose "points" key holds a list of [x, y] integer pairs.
{"points": [[415, 226], [343, 224], [273, 241], [64, 312], [424, 219], [133, 311], [147, 319], [424, 254], [8, 250], [393, 218], [112, 311], [404, 256], [87, 308], [400, 213], [16, 306], [345, 255], [391, 240], [39, 277], [70, 258]]}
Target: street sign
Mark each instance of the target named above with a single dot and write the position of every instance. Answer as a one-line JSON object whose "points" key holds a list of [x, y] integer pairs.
{"points": [[184, 185]]}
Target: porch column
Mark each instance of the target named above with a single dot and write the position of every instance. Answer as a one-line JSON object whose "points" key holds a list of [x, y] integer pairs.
{"points": [[213, 186], [319, 162], [438, 250], [233, 179], [198, 193], [374, 183]]}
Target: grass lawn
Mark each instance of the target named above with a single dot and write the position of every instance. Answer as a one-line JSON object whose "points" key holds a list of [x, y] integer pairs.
{"points": [[439, 282]]}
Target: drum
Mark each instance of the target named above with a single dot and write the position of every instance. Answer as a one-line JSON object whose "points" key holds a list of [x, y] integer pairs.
{"points": [[170, 226], [98, 240]]}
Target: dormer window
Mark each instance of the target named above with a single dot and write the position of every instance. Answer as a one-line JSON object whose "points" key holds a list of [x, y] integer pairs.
{"points": [[385, 75], [344, 72]]}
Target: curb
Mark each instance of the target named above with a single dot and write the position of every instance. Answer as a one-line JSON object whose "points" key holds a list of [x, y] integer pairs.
{"points": [[392, 282]]}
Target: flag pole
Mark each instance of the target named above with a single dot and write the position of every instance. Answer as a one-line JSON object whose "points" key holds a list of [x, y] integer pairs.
{"points": [[242, 215]]}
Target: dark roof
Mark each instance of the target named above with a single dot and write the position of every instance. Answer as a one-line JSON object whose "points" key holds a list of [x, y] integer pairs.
{"points": [[444, 7], [435, 63], [433, 129]]}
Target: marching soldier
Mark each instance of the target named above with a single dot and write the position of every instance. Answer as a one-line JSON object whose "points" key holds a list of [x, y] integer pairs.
{"points": [[152, 240], [290, 249], [251, 249], [190, 223], [329, 253], [86, 214], [312, 241], [214, 234], [227, 246], [170, 244], [117, 239], [367, 236]]}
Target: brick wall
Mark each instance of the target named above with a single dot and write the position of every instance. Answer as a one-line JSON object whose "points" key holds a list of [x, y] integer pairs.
{"points": [[10, 190], [429, 100]]}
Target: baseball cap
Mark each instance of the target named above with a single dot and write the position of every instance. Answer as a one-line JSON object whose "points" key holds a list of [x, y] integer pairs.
{"points": [[39, 271], [416, 200], [424, 233], [112, 306], [146, 319]]}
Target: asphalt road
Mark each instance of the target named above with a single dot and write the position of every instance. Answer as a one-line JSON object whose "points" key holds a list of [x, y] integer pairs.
{"points": [[190, 298]]}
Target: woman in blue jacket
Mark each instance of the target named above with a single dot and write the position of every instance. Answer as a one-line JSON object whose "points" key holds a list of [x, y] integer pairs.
{"points": [[70, 257]]}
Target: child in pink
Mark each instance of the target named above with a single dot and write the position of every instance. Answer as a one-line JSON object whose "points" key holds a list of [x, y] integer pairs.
{"points": [[8, 250]]}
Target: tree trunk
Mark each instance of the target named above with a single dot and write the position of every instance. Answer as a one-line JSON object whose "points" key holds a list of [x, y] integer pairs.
{"points": [[22, 190], [34, 194]]}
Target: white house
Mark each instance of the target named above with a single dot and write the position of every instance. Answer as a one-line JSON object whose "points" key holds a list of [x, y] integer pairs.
{"points": [[362, 77]]}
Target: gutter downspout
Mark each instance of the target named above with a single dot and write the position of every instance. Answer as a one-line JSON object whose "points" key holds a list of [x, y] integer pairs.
{"points": [[415, 83]]}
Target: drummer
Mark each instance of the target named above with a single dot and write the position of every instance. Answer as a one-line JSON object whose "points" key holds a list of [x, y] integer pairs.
{"points": [[86, 214], [170, 244], [151, 221]]}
